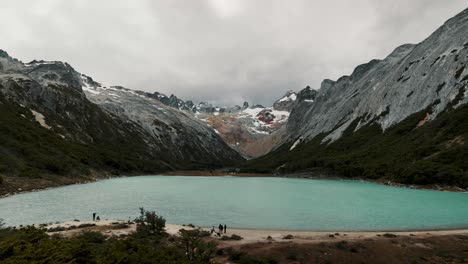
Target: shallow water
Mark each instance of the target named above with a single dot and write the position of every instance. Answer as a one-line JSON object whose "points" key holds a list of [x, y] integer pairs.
{"points": [[261, 203]]}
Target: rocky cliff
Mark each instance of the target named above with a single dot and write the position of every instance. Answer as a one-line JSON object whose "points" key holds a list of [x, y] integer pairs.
{"points": [[387, 91], [383, 120], [177, 133], [56, 120]]}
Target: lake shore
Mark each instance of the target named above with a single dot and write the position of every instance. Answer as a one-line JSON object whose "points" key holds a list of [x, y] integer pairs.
{"points": [[436, 246], [111, 227], [15, 185]]}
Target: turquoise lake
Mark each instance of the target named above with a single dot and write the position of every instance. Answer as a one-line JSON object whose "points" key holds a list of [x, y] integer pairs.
{"points": [[245, 202]]}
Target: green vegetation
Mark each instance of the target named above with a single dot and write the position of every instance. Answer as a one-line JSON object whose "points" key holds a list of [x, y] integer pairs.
{"points": [[30, 150], [232, 237], [243, 258], [195, 247], [436, 152], [32, 245], [149, 224]]}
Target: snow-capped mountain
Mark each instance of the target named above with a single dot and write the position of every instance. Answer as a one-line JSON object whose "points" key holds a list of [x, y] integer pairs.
{"points": [[244, 128], [95, 126], [286, 102], [172, 130], [241, 127]]}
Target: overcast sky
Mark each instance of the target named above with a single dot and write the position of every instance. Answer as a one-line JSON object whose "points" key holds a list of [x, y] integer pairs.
{"points": [[223, 51]]}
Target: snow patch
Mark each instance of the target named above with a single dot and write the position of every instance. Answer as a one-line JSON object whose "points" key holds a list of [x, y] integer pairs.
{"points": [[291, 97], [88, 88], [37, 63], [40, 119], [296, 143]]}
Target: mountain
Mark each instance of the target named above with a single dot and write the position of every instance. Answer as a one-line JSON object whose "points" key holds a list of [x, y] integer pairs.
{"points": [[60, 122], [175, 132], [286, 102], [243, 129], [402, 118], [247, 129]]}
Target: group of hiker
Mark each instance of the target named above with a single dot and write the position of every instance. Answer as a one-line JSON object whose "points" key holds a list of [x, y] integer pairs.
{"points": [[221, 229], [96, 218]]}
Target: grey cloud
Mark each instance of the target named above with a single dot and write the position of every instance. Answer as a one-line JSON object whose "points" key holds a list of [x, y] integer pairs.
{"points": [[224, 51]]}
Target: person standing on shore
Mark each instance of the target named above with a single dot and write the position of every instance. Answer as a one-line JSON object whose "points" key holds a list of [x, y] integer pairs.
{"points": [[94, 217], [220, 228], [225, 227], [212, 230]]}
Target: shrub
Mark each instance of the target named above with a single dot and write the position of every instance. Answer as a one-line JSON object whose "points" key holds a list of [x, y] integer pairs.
{"points": [[232, 237], [195, 248], [86, 225], [92, 237], [150, 224], [242, 258], [120, 226], [56, 229]]}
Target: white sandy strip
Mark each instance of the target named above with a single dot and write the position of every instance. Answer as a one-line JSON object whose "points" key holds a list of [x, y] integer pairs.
{"points": [[252, 236], [105, 226], [255, 235]]}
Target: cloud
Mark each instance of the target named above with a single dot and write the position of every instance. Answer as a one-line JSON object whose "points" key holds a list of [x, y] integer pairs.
{"points": [[223, 51]]}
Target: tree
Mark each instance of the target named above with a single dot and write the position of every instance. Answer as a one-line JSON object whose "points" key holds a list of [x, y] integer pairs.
{"points": [[150, 224], [195, 248]]}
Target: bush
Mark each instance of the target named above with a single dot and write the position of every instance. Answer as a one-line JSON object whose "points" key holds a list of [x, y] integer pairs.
{"points": [[194, 246], [56, 229], [120, 226], [232, 237], [86, 225], [150, 224], [242, 258], [92, 237]]}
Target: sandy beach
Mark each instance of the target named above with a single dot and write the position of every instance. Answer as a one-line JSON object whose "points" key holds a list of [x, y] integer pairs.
{"points": [[435, 246], [111, 227]]}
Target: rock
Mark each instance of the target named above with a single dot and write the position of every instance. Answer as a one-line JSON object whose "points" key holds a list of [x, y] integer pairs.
{"points": [[378, 91], [286, 102]]}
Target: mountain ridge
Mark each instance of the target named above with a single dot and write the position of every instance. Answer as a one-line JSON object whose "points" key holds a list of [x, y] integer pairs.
{"points": [[416, 84], [78, 135]]}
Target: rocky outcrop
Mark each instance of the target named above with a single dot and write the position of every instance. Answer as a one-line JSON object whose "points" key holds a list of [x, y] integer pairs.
{"points": [[403, 118], [286, 102], [387, 91]]}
